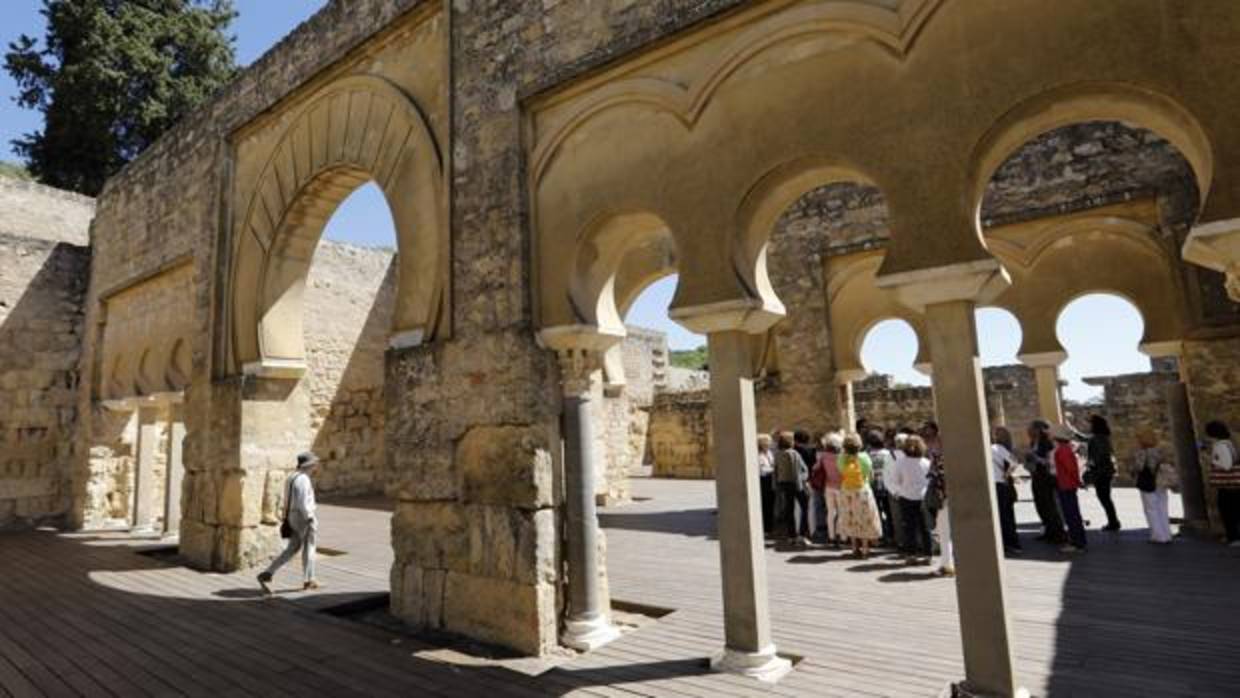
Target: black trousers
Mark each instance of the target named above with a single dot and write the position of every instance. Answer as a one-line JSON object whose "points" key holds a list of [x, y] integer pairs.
{"points": [[883, 499], [785, 509], [1005, 496], [766, 487], [1046, 501], [803, 503], [1102, 488], [916, 533], [1229, 511]]}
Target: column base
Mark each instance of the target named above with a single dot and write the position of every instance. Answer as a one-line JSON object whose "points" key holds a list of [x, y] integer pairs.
{"points": [[963, 690], [587, 635], [763, 665]]}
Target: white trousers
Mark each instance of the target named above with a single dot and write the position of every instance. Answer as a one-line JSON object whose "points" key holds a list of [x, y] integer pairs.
{"points": [[943, 529], [1156, 515], [833, 514], [303, 539]]}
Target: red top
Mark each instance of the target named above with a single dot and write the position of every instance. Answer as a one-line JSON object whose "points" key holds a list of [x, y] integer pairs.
{"points": [[1067, 468]]}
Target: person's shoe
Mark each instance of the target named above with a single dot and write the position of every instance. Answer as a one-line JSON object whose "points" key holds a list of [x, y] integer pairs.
{"points": [[1071, 549], [264, 580], [1015, 552], [945, 572], [1111, 527], [311, 585]]}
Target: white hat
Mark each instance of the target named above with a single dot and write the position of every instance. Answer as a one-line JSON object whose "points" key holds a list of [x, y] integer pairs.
{"points": [[1061, 432]]}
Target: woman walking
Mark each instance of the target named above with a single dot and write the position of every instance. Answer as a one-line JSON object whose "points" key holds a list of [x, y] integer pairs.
{"points": [[859, 519], [909, 479], [1068, 481], [1102, 466], [1003, 463], [1153, 476], [1225, 477], [790, 476]]}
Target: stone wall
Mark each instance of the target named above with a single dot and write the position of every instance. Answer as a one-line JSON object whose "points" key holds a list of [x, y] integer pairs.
{"points": [[623, 413], [680, 436], [42, 283], [1131, 403], [1211, 372], [36, 211], [350, 296]]}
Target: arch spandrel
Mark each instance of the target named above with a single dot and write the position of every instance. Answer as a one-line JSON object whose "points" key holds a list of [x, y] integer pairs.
{"points": [[353, 130], [856, 304]]}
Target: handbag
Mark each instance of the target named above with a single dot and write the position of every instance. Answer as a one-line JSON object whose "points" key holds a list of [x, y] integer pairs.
{"points": [[286, 528], [1147, 480]]}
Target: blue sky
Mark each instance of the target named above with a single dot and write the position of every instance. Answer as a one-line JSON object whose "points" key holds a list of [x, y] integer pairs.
{"points": [[1100, 333]]}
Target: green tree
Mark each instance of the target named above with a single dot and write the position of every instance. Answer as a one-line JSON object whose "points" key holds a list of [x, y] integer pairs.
{"points": [[111, 76]]}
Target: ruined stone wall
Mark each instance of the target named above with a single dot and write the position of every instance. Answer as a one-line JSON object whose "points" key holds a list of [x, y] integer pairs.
{"points": [[623, 413], [42, 283], [350, 297], [681, 436], [1130, 403], [1211, 372], [36, 211]]}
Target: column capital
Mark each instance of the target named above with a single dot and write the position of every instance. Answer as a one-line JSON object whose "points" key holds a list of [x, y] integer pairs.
{"points": [[1044, 359], [1159, 350], [580, 350], [849, 375], [748, 315], [1216, 246], [980, 281]]}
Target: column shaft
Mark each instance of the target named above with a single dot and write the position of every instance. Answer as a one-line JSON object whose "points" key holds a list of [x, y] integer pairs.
{"points": [[1048, 393], [144, 468], [848, 406], [980, 588], [1184, 445], [747, 626], [176, 474]]}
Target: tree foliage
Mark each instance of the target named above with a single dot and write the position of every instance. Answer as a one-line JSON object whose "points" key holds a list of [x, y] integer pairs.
{"points": [[111, 76], [695, 359]]}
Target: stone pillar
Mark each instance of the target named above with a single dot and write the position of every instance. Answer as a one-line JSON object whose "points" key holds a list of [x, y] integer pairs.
{"points": [[144, 468], [176, 472], [949, 297], [587, 625], [846, 399], [748, 647], [1045, 367], [1184, 445]]}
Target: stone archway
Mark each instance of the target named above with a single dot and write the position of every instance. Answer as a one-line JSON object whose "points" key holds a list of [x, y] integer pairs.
{"points": [[354, 130]]}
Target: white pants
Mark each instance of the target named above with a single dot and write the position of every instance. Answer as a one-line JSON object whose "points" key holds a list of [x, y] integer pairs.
{"points": [[1156, 515], [303, 539], [943, 529], [833, 513]]}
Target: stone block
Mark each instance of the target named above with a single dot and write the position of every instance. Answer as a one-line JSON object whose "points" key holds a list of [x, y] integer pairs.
{"points": [[505, 465], [520, 616], [431, 535]]}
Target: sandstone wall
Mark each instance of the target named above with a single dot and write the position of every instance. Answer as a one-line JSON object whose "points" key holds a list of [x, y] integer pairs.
{"points": [[37, 211], [350, 296], [681, 437], [42, 283], [1130, 403], [1211, 372]]}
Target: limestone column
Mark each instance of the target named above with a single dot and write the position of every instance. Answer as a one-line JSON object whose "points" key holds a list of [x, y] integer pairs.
{"points": [[748, 646], [1045, 367], [846, 398], [176, 472], [949, 297], [1183, 438], [144, 468], [587, 625]]}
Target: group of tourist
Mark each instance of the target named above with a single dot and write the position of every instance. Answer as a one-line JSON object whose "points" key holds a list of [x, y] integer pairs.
{"points": [[874, 487]]}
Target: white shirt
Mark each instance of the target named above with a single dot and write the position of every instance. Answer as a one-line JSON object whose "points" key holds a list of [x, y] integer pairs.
{"points": [[910, 477], [301, 495], [1223, 455], [1000, 461], [766, 464]]}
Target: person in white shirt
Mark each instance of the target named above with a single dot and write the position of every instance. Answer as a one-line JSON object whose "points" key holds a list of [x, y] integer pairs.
{"points": [[1225, 477], [909, 485], [301, 525], [1153, 474], [1002, 464], [766, 481], [889, 478]]}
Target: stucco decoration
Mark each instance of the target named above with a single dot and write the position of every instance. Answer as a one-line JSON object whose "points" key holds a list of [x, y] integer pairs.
{"points": [[145, 347], [354, 130]]}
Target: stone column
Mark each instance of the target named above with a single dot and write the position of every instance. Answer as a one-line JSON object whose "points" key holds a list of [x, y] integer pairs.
{"points": [[1045, 367], [949, 297], [587, 626], [1183, 438], [846, 399], [144, 468], [176, 472], [748, 647]]}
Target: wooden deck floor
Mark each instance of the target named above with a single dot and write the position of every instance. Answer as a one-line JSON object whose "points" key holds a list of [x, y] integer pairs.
{"points": [[86, 615]]}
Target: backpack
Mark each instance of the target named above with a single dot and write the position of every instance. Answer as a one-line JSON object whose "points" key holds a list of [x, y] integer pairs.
{"points": [[1147, 479], [851, 474]]}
